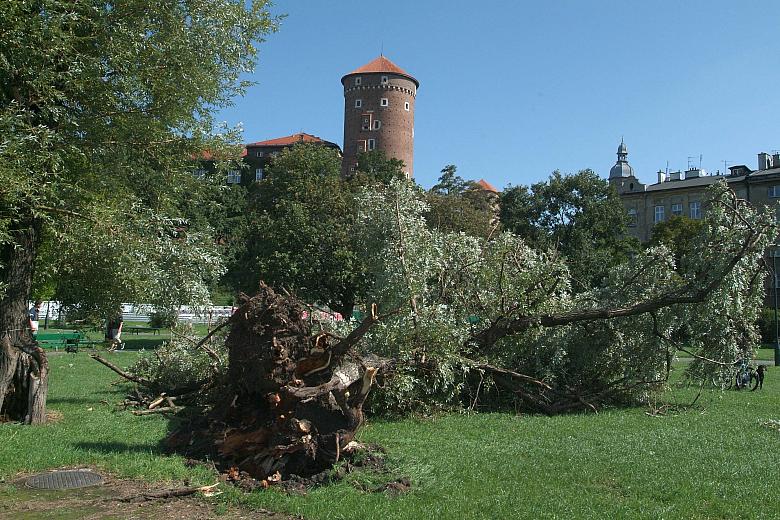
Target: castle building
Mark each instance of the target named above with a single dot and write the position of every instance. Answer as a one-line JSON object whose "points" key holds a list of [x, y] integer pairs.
{"points": [[257, 155], [685, 193], [379, 113]]}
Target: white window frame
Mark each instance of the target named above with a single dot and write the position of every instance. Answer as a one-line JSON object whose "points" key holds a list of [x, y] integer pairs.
{"points": [[406, 106], [377, 124], [384, 102], [694, 209], [774, 191], [199, 173], [258, 153], [258, 174], [677, 210], [358, 80], [371, 144], [384, 80], [358, 103], [234, 177], [659, 213]]}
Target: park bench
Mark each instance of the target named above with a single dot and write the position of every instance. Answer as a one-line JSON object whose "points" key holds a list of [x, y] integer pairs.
{"points": [[138, 330], [57, 340]]}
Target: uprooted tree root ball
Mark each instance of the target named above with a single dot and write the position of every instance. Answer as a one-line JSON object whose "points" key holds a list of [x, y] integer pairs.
{"points": [[291, 401]]}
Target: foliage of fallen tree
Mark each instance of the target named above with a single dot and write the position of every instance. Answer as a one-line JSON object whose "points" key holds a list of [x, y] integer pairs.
{"points": [[491, 322]]}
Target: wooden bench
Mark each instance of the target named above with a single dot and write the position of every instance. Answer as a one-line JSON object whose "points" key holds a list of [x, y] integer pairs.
{"points": [[138, 330]]}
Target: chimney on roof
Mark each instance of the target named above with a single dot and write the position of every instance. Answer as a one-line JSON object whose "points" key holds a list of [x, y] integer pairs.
{"points": [[776, 160], [661, 176], [675, 176], [765, 161]]}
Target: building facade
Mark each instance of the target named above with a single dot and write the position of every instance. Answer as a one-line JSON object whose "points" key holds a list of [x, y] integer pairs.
{"points": [[685, 193], [379, 113]]}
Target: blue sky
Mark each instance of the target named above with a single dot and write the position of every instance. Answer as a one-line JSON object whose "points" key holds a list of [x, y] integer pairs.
{"points": [[510, 91]]}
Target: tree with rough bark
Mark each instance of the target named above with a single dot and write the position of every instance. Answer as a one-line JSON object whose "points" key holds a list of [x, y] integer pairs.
{"points": [[102, 107]]}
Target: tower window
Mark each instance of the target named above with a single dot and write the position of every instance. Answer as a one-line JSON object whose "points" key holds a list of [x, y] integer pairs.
{"points": [[383, 102], [377, 124], [358, 103], [358, 80], [367, 121], [383, 80], [406, 106], [371, 144]]}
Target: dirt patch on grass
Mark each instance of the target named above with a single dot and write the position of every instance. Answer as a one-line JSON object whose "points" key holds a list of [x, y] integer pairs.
{"points": [[115, 499]]}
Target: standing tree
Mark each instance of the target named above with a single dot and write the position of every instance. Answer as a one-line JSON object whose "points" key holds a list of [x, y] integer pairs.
{"points": [[102, 105], [299, 230], [456, 205], [580, 216]]}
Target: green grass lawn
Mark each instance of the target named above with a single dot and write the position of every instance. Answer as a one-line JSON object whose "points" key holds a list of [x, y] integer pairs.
{"points": [[713, 461]]}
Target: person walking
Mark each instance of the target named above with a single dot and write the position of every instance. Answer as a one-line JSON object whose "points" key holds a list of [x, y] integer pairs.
{"points": [[32, 317], [114, 331], [759, 377]]}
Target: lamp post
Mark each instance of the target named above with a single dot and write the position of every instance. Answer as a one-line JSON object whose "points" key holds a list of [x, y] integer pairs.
{"points": [[774, 290]]}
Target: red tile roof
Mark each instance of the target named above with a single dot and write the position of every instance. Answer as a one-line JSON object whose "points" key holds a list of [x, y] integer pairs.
{"points": [[289, 140], [381, 64], [485, 185]]}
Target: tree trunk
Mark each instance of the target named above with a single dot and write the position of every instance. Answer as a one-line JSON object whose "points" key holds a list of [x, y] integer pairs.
{"points": [[24, 369]]}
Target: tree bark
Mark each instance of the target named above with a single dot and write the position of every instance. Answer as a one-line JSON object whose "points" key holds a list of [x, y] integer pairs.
{"points": [[24, 369]]}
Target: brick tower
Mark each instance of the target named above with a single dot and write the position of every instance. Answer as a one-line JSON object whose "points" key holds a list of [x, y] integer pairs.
{"points": [[379, 113]]}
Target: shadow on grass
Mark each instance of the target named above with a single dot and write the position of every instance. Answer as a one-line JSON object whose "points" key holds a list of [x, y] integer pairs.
{"points": [[71, 400], [119, 447]]}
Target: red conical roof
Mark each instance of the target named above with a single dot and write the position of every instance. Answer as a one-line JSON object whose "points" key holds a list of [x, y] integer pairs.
{"points": [[381, 64], [486, 186]]}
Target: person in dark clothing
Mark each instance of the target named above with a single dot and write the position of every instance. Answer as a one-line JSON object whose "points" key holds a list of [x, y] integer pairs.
{"points": [[32, 317], [759, 377], [114, 331]]}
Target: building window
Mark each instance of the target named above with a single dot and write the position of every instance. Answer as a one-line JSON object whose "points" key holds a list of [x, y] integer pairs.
{"points": [[358, 103], [200, 173], [367, 121], [371, 144], [358, 80], [695, 209], [676, 210], [258, 153], [259, 174], [659, 214], [632, 217], [774, 191], [406, 106], [234, 177], [383, 80], [377, 124], [383, 102]]}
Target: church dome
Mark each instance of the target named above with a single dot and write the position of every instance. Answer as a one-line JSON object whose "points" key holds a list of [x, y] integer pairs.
{"points": [[621, 168]]}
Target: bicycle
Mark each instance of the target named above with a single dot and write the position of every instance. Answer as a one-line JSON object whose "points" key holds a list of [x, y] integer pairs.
{"points": [[745, 377]]}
